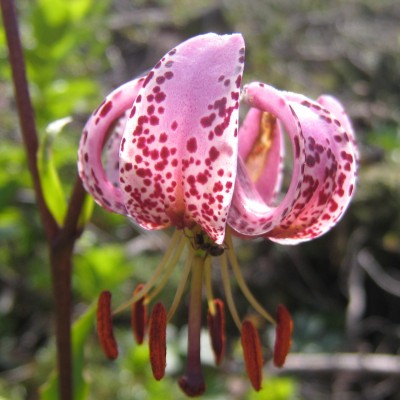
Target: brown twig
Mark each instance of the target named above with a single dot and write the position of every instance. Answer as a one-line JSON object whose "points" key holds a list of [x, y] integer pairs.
{"points": [[61, 240], [375, 364]]}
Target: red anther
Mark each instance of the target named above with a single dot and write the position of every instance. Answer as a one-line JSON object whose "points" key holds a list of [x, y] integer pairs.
{"points": [[253, 357], [157, 341], [139, 316], [104, 326], [216, 328], [283, 335]]}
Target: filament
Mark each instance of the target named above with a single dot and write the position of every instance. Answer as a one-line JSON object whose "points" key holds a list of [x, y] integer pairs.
{"points": [[228, 291], [242, 284], [176, 238], [208, 283], [182, 284], [169, 270]]}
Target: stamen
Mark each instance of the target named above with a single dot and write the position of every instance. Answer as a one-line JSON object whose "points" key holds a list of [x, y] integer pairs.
{"points": [[139, 316], [192, 382], [252, 354], [176, 238], [242, 283], [169, 270], [104, 326], [208, 282], [283, 335], [228, 291], [157, 341], [182, 284], [216, 328]]}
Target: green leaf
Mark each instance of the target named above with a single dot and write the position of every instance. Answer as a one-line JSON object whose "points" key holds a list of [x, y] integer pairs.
{"points": [[52, 189], [81, 329], [87, 211]]}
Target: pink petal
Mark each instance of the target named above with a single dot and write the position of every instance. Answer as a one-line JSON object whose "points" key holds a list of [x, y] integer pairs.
{"points": [[95, 133], [336, 108], [323, 177], [269, 171], [111, 149], [179, 149]]}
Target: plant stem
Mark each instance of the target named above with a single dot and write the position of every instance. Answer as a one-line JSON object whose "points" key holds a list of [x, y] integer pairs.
{"points": [[25, 111], [61, 240]]}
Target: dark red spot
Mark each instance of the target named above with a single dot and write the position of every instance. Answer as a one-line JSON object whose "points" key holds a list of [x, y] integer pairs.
{"points": [[238, 81], [207, 121], [297, 147], [310, 161], [105, 110], [213, 153], [217, 187], [191, 145], [154, 120], [164, 153], [148, 78], [202, 178], [160, 97], [169, 75]]}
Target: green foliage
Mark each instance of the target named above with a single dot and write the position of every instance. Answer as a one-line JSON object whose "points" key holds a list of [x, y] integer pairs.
{"points": [[52, 189], [275, 389]]}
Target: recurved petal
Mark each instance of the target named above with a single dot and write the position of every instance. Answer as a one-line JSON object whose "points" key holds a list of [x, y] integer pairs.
{"points": [[111, 149], [95, 133], [179, 149], [336, 108], [323, 177]]}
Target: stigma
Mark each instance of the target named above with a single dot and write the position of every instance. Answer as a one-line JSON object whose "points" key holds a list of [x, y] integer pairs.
{"points": [[202, 254]]}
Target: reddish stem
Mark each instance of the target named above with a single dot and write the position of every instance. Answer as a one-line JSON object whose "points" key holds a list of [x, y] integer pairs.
{"points": [[61, 240]]}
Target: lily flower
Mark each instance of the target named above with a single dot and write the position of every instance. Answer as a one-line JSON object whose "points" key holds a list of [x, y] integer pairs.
{"points": [[174, 155]]}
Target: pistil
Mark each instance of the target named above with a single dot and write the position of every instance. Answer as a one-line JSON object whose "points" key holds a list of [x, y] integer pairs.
{"points": [[192, 382]]}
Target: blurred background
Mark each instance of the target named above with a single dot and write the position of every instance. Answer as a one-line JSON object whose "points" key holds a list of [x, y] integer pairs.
{"points": [[342, 289]]}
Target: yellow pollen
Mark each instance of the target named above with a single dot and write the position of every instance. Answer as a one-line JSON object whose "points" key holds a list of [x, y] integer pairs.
{"points": [[257, 157]]}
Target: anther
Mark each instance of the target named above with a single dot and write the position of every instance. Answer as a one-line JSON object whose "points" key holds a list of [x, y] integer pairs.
{"points": [[216, 328], [104, 326], [157, 340], [253, 357], [283, 335], [139, 316]]}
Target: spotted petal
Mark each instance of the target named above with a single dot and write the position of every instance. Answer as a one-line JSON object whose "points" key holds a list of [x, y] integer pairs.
{"points": [[323, 176], [179, 149], [107, 118]]}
